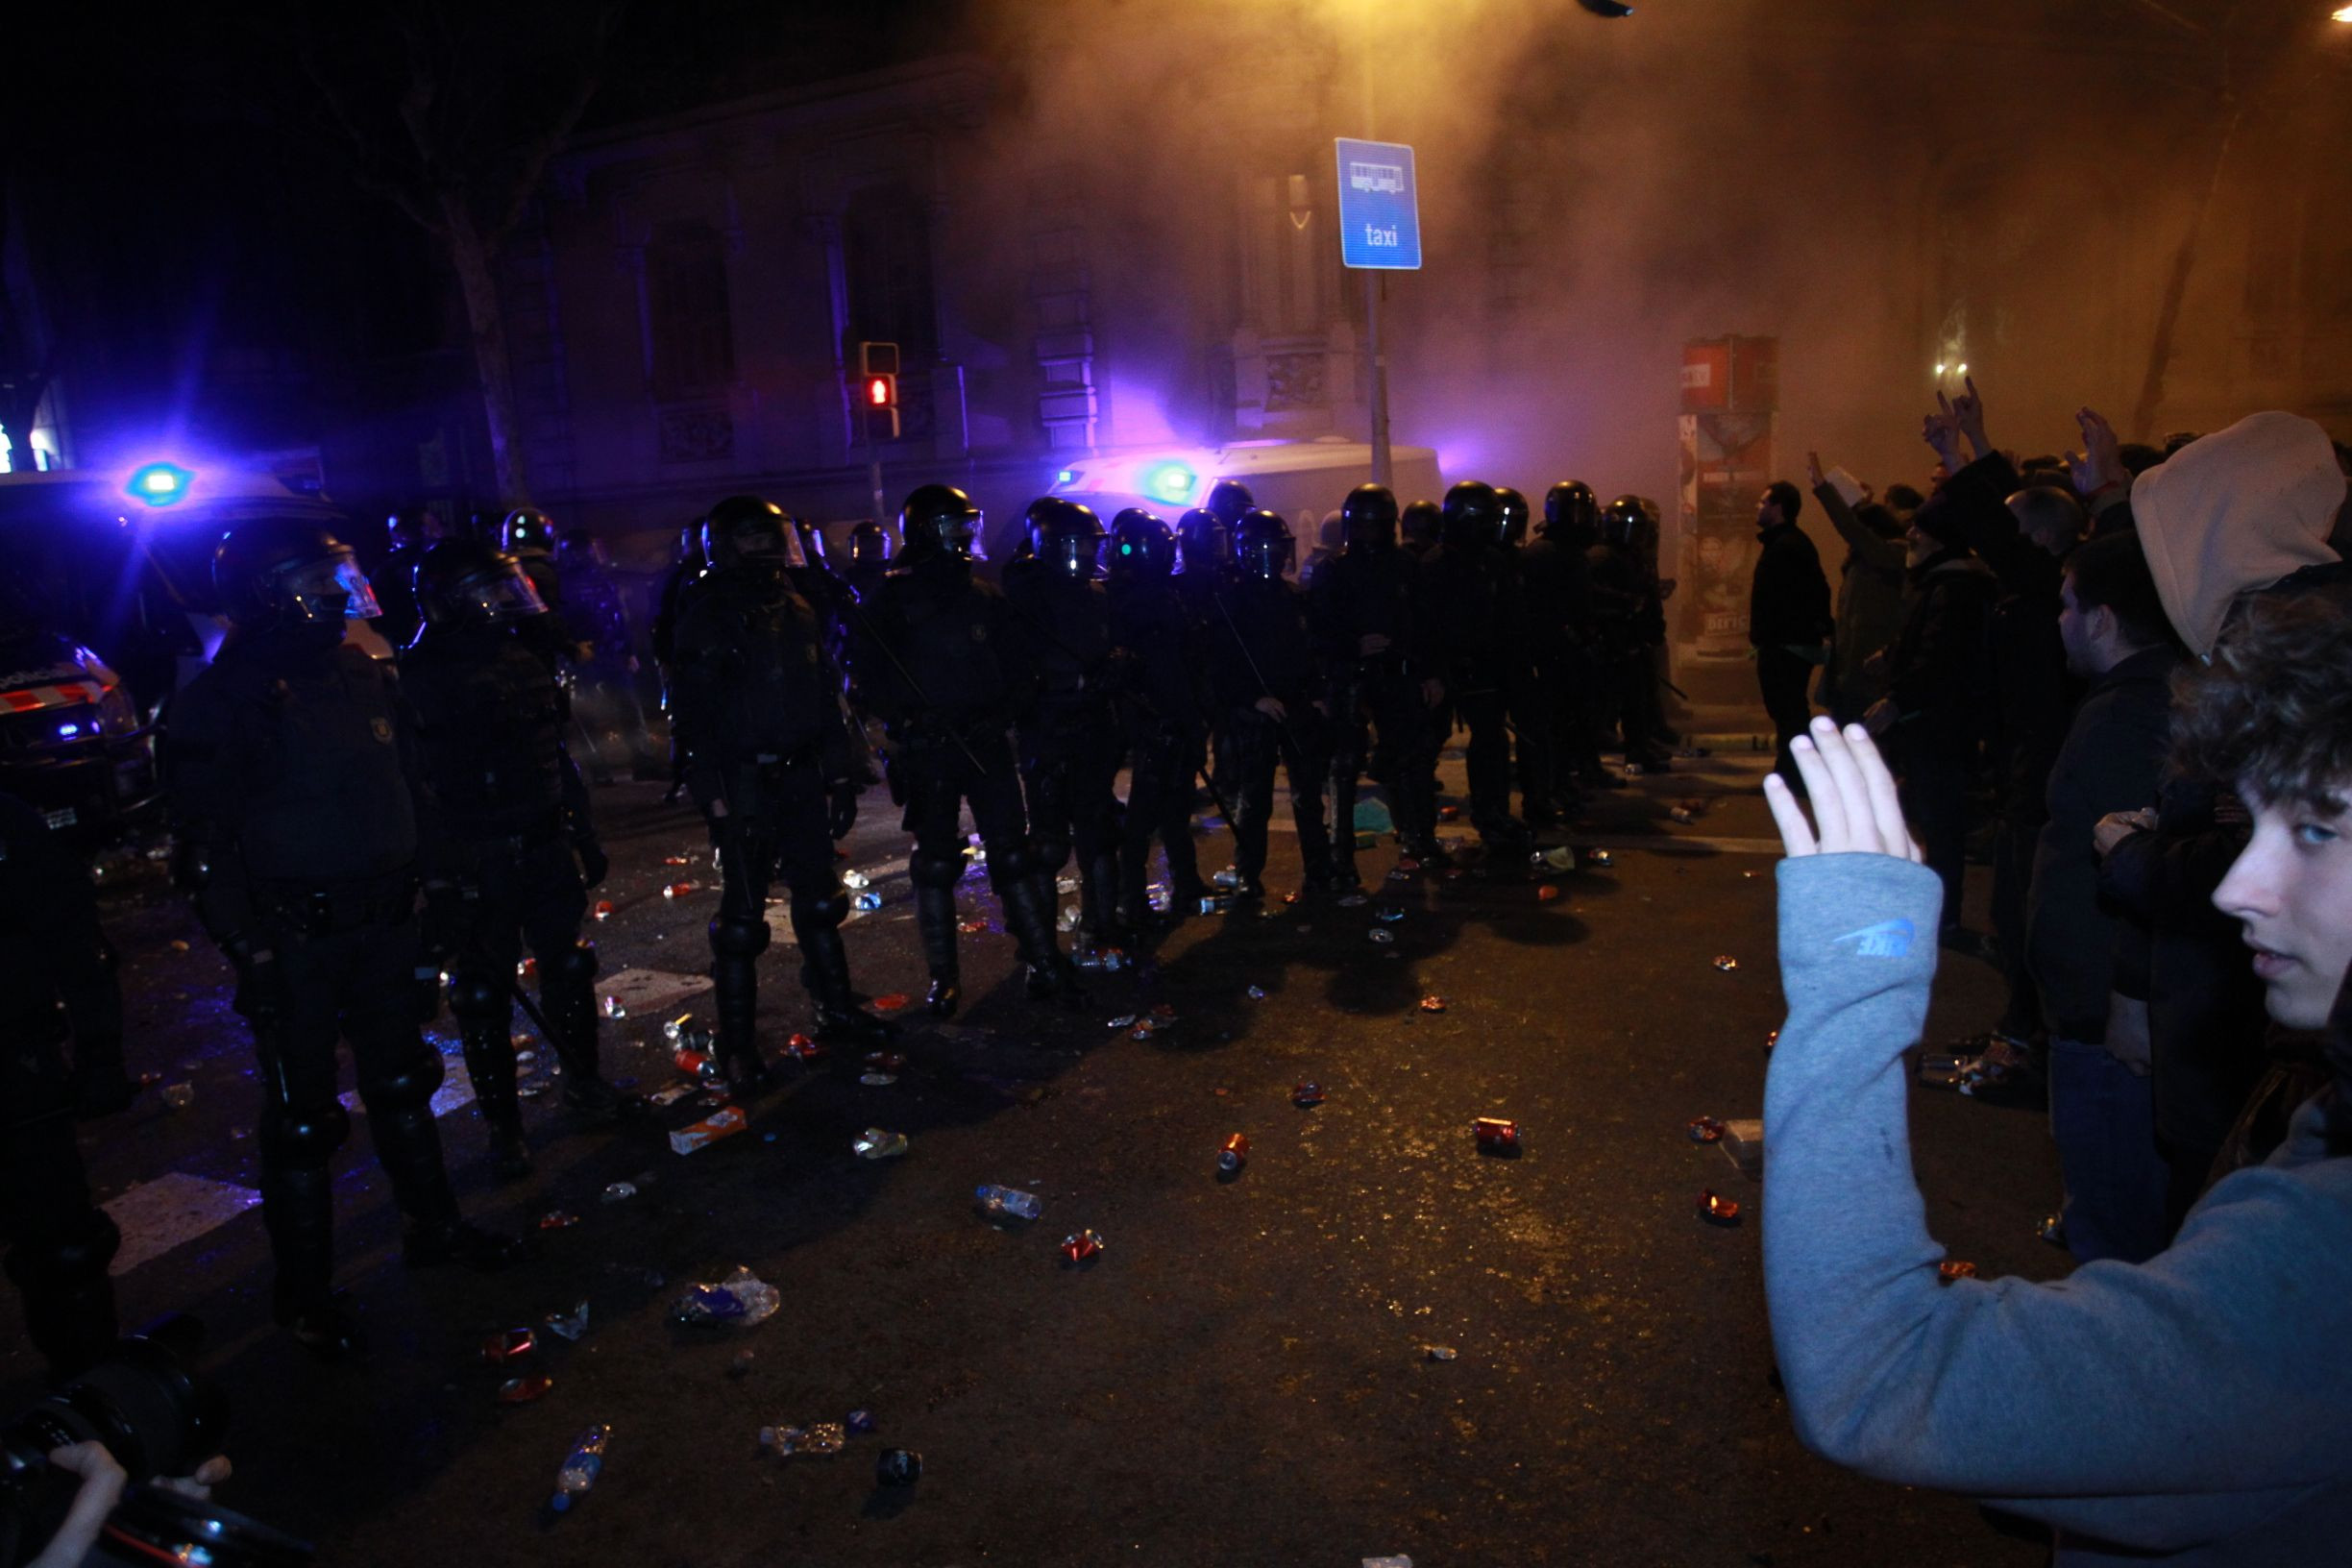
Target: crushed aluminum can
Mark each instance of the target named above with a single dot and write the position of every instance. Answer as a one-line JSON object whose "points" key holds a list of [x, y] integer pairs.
{"points": [[1598, 859], [1125, 1020], [603, 909], [855, 880], [2052, 1230], [1682, 813], [1256, 993], [1954, 1268], [678, 890], [1398, 1560], [1716, 1209], [897, 1467], [511, 1346], [1082, 1247], [1496, 1135], [1547, 893], [1307, 1096], [1726, 963], [523, 1390], [1067, 919], [894, 1002], [1388, 913], [179, 1097], [743, 1297], [1707, 1130], [879, 1143], [823, 1438], [972, 927], [558, 1219], [528, 970], [801, 1048], [1433, 1004], [1066, 884], [570, 1325], [1438, 1353], [868, 901], [1233, 1155], [676, 860], [1382, 936], [1101, 960], [613, 1008], [620, 1191], [696, 1063], [859, 1423], [1227, 879], [1560, 857]]}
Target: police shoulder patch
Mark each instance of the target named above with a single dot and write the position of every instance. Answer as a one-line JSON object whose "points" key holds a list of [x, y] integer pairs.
{"points": [[381, 728]]}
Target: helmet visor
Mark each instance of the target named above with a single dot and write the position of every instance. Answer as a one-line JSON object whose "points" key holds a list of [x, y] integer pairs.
{"points": [[502, 596], [334, 589]]}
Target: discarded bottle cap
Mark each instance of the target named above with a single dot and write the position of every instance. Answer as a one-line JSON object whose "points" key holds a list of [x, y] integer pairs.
{"points": [[675, 860], [1547, 893], [1082, 1247], [1306, 1096], [558, 1219], [1707, 1130], [1954, 1268], [859, 1422], [1726, 963], [523, 1390], [512, 1345], [868, 900], [1234, 1154], [569, 1325], [1496, 1135], [897, 1467], [620, 1191], [1433, 1004], [1256, 993], [1716, 1209], [613, 1008], [1439, 1353], [879, 1143], [801, 1048]]}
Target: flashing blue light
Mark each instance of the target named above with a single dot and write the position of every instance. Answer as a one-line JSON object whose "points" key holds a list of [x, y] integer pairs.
{"points": [[1066, 475], [66, 731], [1169, 482], [160, 484]]}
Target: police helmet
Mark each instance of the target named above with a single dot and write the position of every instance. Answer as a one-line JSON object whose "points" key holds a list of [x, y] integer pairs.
{"points": [[1068, 538], [1472, 515], [869, 543], [1368, 518], [1203, 540], [1515, 515], [282, 569], [745, 530], [1229, 498], [1420, 522], [940, 517], [1571, 514], [1263, 545], [1141, 545], [464, 582], [527, 532], [1623, 520]]}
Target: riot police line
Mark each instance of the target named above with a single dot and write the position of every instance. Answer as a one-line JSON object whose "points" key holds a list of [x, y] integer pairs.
{"points": [[361, 842]]}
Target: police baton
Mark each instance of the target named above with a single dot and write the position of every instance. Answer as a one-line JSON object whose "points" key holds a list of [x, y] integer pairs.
{"points": [[1255, 674]]}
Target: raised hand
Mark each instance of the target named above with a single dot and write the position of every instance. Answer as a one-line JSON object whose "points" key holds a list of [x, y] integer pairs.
{"points": [[1813, 470], [2100, 464], [1967, 412], [1942, 431], [1856, 809]]}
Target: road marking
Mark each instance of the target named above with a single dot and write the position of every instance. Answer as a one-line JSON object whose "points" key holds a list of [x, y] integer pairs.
{"points": [[169, 1212]]}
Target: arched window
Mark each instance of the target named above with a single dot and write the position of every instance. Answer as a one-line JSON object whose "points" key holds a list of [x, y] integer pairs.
{"points": [[686, 299]]}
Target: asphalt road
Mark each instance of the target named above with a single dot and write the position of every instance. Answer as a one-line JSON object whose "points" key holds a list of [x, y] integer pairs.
{"points": [[1242, 1377]]}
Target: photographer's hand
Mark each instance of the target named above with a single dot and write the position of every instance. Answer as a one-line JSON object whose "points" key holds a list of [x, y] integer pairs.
{"points": [[1854, 802], [102, 1487]]}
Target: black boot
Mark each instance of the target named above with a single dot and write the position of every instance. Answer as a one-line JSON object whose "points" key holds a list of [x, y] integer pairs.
{"points": [[298, 1210], [824, 969], [935, 922], [571, 1013], [1098, 898], [735, 1000], [408, 1147], [491, 1065], [1028, 906]]}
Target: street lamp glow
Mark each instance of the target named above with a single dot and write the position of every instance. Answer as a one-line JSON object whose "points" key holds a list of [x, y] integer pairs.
{"points": [[1939, 370], [2343, 13], [1960, 370]]}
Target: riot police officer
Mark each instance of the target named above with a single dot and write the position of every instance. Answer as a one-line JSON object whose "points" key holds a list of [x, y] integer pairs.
{"points": [[1229, 501], [1418, 528], [604, 682], [513, 851], [57, 980], [1071, 740], [1368, 618], [411, 534], [1268, 680], [292, 776], [939, 660], [1477, 600], [869, 557], [1631, 620], [684, 570], [775, 768], [1515, 515], [528, 535], [1558, 582], [1165, 718]]}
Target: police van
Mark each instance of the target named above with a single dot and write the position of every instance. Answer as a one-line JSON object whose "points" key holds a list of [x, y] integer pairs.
{"points": [[1303, 480]]}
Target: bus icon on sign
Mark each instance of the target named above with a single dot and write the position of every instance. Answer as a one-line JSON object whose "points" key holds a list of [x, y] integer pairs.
{"points": [[1385, 177]]}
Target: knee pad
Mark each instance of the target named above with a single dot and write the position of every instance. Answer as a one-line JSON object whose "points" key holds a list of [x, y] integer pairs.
{"points": [[736, 938], [1012, 860], [474, 997], [306, 1139], [62, 1262], [827, 909], [934, 870], [411, 1088], [1047, 852], [575, 966]]}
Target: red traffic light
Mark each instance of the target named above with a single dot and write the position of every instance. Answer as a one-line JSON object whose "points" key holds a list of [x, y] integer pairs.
{"points": [[881, 391]]}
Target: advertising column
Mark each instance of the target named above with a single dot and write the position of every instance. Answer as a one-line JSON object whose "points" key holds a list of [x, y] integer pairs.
{"points": [[1730, 391]]}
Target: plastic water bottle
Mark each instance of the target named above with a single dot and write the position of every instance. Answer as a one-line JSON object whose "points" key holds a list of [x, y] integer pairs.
{"points": [[1009, 1202], [579, 1472]]}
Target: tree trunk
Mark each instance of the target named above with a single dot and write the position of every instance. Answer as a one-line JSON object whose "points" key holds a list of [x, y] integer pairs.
{"points": [[471, 252]]}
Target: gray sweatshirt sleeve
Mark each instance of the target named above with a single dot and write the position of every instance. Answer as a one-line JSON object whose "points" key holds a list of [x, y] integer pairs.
{"points": [[2155, 1405]]}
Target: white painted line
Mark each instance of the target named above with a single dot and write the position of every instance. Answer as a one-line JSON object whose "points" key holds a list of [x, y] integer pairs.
{"points": [[171, 1211], [650, 991]]}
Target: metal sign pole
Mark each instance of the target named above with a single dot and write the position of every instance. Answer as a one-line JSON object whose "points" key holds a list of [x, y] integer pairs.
{"points": [[1383, 472]]}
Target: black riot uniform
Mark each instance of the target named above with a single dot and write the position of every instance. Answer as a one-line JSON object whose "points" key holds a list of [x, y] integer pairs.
{"points": [[1071, 744], [774, 766], [1559, 604], [528, 535], [513, 851], [292, 775], [1630, 622], [1418, 528], [1369, 621], [597, 623], [411, 534], [1477, 603], [870, 557], [940, 661], [1164, 716], [684, 573], [57, 980], [1267, 677]]}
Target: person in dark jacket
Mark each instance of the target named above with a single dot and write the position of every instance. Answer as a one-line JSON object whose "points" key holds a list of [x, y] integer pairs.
{"points": [[1268, 681], [1932, 716], [684, 573], [2101, 1110], [1164, 716], [1869, 613], [1558, 571], [412, 533], [1630, 622], [1788, 616], [1473, 587]]}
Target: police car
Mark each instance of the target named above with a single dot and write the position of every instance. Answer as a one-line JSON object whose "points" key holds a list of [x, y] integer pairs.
{"points": [[1301, 480]]}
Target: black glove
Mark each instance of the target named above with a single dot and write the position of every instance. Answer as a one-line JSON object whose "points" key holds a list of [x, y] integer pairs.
{"points": [[842, 808], [100, 1085], [594, 862]]}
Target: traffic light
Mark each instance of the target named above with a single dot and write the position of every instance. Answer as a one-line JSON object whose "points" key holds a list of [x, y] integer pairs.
{"points": [[878, 389]]}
